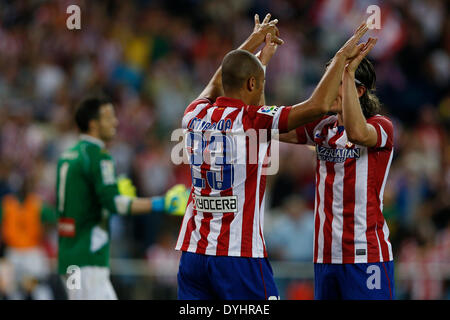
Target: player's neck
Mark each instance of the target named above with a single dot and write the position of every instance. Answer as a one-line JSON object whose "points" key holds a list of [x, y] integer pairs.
{"points": [[239, 96], [92, 136]]}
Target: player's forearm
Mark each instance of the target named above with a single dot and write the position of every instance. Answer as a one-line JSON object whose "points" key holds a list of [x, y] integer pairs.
{"points": [[252, 42], [147, 205], [304, 113], [354, 121], [322, 98], [288, 137], [262, 100], [141, 206], [328, 87], [214, 88]]}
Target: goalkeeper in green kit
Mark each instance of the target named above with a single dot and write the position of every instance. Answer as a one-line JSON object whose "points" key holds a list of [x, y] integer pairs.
{"points": [[87, 193]]}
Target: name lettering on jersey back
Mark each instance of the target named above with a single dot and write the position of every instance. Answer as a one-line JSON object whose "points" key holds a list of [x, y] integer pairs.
{"points": [[201, 125], [337, 155]]}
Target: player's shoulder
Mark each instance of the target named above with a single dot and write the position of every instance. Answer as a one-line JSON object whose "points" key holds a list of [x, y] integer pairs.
{"points": [[382, 120], [379, 117], [70, 153], [91, 151], [197, 102], [384, 129], [91, 148]]}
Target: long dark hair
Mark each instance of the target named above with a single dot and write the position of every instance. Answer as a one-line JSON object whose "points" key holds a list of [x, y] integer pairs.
{"points": [[365, 75]]}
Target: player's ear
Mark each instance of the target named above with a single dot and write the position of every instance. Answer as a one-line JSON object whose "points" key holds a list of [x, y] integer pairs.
{"points": [[361, 90], [251, 84], [93, 125]]}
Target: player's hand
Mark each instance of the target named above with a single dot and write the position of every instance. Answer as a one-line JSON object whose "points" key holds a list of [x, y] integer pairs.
{"points": [[126, 187], [262, 29], [351, 48], [175, 200], [364, 50], [268, 51]]}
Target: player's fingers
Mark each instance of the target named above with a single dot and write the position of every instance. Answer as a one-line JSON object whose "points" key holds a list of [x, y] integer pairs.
{"points": [[273, 22], [360, 26], [370, 44], [361, 32], [268, 39], [275, 29], [257, 19], [364, 46], [364, 52], [267, 18], [361, 46], [277, 40]]}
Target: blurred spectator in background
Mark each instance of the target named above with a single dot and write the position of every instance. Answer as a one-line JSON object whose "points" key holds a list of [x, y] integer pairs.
{"points": [[163, 261], [424, 264], [292, 232], [290, 238], [24, 218]]}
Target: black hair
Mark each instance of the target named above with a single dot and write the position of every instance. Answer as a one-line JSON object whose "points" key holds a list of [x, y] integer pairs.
{"points": [[237, 67], [87, 110], [365, 76], [365, 73]]}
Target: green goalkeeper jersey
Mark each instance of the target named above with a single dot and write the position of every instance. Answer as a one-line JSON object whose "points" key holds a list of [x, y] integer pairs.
{"points": [[86, 193]]}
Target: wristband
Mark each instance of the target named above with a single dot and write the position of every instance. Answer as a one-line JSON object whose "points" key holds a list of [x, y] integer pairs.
{"points": [[157, 204]]}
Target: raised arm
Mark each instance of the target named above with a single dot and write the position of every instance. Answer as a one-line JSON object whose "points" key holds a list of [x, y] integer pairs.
{"points": [[327, 90], [265, 55], [358, 130], [214, 88]]}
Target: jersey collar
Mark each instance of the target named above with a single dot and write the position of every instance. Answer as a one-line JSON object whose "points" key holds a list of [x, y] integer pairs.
{"points": [[229, 102], [91, 139]]}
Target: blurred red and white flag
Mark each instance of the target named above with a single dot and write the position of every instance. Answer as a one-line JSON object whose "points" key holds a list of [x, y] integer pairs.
{"points": [[346, 15]]}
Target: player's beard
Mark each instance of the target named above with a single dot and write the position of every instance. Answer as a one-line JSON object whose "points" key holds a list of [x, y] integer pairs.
{"points": [[108, 134]]}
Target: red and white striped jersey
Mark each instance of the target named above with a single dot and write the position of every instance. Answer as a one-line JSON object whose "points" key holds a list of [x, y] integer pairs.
{"points": [[350, 181], [225, 211]]}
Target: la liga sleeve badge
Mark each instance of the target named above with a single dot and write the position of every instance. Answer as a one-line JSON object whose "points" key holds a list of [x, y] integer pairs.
{"points": [[268, 110]]}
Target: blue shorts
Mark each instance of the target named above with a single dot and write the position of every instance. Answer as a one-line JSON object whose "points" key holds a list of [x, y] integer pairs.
{"points": [[204, 277], [358, 281]]}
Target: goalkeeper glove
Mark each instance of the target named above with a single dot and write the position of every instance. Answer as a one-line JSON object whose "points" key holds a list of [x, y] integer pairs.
{"points": [[176, 199], [173, 202], [126, 187]]}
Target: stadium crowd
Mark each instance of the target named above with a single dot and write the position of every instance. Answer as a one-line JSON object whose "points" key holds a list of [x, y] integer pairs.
{"points": [[153, 57]]}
